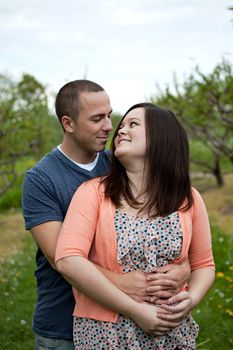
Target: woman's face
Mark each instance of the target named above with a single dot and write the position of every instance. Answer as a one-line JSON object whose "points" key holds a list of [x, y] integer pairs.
{"points": [[130, 142]]}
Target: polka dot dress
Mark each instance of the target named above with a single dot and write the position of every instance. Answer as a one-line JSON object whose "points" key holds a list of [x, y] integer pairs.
{"points": [[143, 244]]}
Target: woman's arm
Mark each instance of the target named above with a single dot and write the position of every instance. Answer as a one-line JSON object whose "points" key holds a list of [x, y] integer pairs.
{"points": [[200, 283], [85, 276], [201, 261]]}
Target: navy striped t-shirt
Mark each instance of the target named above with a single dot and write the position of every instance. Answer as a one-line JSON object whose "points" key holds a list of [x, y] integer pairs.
{"points": [[47, 191]]}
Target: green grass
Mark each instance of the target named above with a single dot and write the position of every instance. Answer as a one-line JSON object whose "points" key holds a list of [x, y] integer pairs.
{"points": [[215, 314], [17, 298]]}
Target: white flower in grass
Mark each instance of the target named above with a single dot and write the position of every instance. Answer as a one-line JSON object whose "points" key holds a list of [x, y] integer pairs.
{"points": [[22, 322], [221, 294], [228, 300]]}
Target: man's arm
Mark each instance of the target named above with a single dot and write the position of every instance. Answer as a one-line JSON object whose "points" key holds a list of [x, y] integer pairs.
{"points": [[134, 283], [46, 236], [85, 277], [138, 285]]}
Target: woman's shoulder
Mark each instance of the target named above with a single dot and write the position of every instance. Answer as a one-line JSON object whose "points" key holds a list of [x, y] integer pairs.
{"points": [[196, 195], [92, 185]]}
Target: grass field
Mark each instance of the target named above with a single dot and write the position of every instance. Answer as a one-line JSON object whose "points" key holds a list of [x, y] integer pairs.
{"points": [[17, 297], [17, 285]]}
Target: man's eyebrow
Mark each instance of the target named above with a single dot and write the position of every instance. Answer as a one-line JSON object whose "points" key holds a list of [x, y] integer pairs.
{"points": [[100, 115]]}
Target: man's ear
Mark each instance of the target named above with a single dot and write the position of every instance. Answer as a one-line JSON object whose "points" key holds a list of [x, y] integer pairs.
{"points": [[67, 123]]}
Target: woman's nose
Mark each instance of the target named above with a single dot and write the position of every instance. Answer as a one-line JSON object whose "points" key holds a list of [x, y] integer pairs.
{"points": [[121, 131]]}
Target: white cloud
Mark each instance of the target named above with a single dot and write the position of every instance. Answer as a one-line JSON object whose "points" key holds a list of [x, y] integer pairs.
{"points": [[127, 46]]}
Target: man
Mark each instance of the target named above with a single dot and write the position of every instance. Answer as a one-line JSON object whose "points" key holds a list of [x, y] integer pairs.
{"points": [[84, 111]]}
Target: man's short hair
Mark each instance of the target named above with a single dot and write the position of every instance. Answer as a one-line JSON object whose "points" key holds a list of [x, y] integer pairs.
{"points": [[68, 98]]}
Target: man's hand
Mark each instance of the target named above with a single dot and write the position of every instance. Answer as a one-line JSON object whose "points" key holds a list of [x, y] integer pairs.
{"points": [[168, 281], [153, 287], [135, 284]]}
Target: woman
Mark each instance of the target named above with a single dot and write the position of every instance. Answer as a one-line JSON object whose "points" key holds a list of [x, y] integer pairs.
{"points": [[143, 215]]}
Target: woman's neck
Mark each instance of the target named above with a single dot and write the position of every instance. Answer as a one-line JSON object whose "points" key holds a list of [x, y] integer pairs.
{"points": [[137, 181]]}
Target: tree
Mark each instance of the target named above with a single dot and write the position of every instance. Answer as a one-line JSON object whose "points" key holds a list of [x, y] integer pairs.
{"points": [[204, 104], [25, 121]]}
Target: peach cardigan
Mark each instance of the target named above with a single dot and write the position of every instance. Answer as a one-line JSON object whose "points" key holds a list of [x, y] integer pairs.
{"points": [[88, 231]]}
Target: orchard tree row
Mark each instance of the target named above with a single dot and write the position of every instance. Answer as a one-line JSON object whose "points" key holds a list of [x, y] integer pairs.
{"points": [[204, 104], [27, 127]]}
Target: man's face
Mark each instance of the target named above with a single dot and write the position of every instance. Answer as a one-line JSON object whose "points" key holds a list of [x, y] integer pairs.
{"points": [[93, 125]]}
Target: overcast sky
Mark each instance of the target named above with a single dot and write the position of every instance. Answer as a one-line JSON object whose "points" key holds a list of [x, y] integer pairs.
{"points": [[127, 46]]}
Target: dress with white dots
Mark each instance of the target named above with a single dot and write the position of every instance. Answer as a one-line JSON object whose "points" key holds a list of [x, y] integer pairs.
{"points": [[143, 244]]}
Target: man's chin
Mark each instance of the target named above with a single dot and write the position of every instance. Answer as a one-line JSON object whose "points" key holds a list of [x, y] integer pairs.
{"points": [[101, 147]]}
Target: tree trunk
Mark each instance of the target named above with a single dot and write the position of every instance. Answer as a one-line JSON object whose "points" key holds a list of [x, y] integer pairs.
{"points": [[218, 173]]}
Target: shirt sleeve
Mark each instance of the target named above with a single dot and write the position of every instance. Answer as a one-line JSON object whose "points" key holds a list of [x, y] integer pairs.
{"points": [[200, 251], [39, 201], [79, 227]]}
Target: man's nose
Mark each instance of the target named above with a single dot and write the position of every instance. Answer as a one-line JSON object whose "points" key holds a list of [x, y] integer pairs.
{"points": [[107, 124]]}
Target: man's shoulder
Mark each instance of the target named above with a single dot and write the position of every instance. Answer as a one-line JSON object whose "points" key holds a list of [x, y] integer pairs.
{"points": [[105, 159], [50, 163], [46, 161], [45, 172]]}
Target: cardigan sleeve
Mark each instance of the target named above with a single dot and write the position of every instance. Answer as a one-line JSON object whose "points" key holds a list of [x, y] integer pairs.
{"points": [[200, 251], [78, 229]]}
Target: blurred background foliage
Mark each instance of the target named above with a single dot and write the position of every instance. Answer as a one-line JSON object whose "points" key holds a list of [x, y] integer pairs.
{"points": [[29, 129]]}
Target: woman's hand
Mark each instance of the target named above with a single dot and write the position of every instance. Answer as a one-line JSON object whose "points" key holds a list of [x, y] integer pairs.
{"points": [[182, 305], [146, 317]]}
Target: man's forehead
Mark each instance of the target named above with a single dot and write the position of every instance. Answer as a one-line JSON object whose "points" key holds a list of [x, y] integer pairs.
{"points": [[92, 100], [87, 96]]}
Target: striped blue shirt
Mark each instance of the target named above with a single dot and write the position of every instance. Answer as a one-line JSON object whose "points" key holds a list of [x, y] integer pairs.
{"points": [[47, 191]]}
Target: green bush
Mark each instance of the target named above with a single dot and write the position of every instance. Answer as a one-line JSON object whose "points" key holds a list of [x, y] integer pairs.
{"points": [[12, 198]]}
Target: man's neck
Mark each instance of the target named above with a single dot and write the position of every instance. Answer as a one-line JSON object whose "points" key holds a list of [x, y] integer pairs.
{"points": [[77, 155]]}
